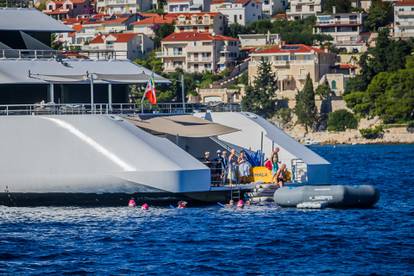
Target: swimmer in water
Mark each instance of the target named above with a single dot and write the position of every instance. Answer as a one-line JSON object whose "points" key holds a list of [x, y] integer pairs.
{"points": [[145, 207], [248, 202], [132, 203], [182, 204], [230, 204], [240, 204]]}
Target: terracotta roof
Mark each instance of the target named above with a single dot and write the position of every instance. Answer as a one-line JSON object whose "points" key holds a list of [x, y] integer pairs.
{"points": [[405, 3], [154, 20], [77, 27], [196, 36], [288, 48], [347, 66], [119, 37]]}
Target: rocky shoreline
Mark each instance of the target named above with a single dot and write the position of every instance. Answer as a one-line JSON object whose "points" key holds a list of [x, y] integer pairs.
{"points": [[396, 135]]}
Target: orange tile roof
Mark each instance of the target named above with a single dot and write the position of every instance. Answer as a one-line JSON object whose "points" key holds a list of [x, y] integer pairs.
{"points": [[77, 27], [288, 48], [154, 20], [197, 36], [119, 37], [405, 3]]}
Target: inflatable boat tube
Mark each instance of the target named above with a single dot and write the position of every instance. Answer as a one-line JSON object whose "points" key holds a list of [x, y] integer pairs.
{"points": [[337, 196]]}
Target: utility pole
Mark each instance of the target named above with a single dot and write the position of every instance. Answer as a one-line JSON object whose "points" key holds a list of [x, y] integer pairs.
{"points": [[183, 91]]}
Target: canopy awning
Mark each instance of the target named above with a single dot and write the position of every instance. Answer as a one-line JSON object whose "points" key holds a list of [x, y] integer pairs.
{"points": [[182, 125], [38, 71]]}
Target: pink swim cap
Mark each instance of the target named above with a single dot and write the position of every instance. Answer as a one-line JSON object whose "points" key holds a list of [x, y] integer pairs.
{"points": [[145, 206], [132, 203], [240, 203]]}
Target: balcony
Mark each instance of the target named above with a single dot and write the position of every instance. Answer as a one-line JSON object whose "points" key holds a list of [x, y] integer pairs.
{"points": [[169, 54], [193, 22], [405, 13], [200, 49], [200, 60], [323, 23]]}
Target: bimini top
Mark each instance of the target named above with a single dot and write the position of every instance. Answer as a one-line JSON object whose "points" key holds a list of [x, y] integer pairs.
{"points": [[38, 71], [182, 125], [18, 19]]}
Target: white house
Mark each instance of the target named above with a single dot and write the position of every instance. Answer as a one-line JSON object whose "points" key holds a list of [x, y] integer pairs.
{"points": [[180, 6], [122, 45], [404, 19], [300, 9], [149, 24], [271, 7], [344, 28], [240, 12], [122, 6]]}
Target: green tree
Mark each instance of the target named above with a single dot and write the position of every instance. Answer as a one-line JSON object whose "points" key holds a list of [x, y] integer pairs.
{"points": [[151, 62], [341, 120], [260, 98], [305, 108], [324, 91], [161, 31], [380, 14], [341, 6]]}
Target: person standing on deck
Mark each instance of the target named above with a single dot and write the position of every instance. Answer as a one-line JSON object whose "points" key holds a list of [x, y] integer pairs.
{"points": [[232, 167], [223, 167], [244, 167]]}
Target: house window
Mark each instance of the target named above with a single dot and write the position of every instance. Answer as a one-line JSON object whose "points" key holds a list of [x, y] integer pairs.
{"points": [[333, 85]]}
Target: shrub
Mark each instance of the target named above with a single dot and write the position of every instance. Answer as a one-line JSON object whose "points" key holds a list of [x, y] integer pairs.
{"points": [[284, 115], [410, 126], [372, 133], [341, 120]]}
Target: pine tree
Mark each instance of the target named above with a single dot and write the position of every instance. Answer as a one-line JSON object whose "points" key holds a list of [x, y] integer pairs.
{"points": [[260, 98], [305, 108]]}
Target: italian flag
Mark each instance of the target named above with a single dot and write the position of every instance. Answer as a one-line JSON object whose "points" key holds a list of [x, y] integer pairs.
{"points": [[150, 91]]}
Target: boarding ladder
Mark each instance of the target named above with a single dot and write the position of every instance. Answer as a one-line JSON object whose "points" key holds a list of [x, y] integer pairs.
{"points": [[235, 193]]}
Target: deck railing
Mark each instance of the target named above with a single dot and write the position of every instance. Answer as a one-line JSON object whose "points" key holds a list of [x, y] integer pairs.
{"points": [[116, 108]]}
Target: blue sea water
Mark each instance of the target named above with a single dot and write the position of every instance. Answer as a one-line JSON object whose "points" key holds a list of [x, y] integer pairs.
{"points": [[213, 240]]}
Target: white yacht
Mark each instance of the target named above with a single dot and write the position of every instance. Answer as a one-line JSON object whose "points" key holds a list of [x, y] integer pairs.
{"points": [[69, 138]]}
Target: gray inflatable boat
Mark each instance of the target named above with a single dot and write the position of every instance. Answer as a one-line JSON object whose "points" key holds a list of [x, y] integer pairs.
{"points": [[336, 196]]}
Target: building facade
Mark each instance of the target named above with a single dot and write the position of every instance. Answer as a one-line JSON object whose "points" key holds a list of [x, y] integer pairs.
{"points": [[344, 28], [122, 6], [181, 6], [300, 9], [271, 7], [404, 19], [240, 12], [292, 63], [198, 52], [210, 22]]}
